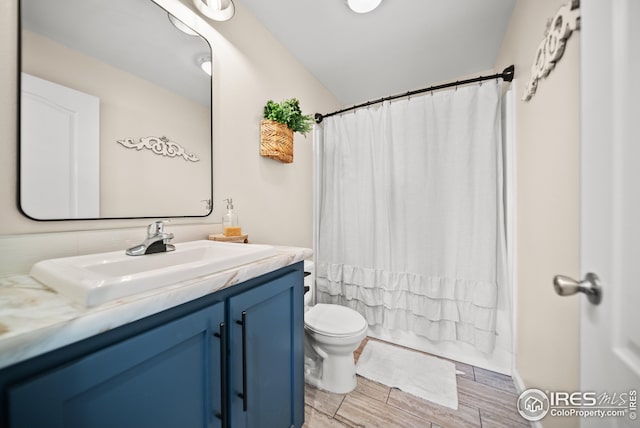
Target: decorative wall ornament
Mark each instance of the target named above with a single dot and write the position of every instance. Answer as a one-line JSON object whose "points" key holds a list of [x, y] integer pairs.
{"points": [[160, 146], [551, 49]]}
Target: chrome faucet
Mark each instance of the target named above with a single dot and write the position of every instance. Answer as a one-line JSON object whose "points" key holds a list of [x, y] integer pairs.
{"points": [[157, 241]]}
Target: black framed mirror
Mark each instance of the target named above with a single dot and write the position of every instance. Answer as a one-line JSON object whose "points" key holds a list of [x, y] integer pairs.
{"points": [[115, 112]]}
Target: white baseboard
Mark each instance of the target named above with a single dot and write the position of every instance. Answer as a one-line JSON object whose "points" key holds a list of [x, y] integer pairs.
{"points": [[517, 380], [520, 387]]}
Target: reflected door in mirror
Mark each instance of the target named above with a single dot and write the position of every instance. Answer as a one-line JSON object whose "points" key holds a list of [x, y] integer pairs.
{"points": [[60, 151]]}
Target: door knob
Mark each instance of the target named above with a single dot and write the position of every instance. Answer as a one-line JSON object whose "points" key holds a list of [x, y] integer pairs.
{"points": [[590, 285]]}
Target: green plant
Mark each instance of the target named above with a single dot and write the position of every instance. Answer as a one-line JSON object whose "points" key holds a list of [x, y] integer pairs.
{"points": [[289, 113]]}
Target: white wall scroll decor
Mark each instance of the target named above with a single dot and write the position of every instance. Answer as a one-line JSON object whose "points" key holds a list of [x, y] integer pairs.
{"points": [[160, 146], [550, 50]]}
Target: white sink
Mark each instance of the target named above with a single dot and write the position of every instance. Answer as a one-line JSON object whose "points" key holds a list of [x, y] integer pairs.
{"points": [[95, 279]]}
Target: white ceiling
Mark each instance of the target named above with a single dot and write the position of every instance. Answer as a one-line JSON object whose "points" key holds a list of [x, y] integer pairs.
{"points": [[400, 46]]}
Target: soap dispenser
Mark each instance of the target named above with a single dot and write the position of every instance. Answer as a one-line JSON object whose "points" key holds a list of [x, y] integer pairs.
{"points": [[230, 225]]}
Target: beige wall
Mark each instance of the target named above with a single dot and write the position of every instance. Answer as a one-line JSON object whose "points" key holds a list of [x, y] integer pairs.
{"points": [[547, 134], [273, 199]]}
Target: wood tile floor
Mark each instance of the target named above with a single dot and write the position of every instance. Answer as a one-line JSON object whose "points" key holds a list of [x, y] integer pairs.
{"points": [[485, 399]]}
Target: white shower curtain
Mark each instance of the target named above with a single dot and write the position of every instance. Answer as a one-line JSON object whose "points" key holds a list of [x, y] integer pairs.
{"points": [[410, 214]]}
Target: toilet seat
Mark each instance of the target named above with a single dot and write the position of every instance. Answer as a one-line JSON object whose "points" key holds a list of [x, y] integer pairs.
{"points": [[334, 320]]}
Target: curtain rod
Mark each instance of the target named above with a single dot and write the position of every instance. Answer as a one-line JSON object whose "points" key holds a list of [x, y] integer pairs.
{"points": [[506, 75]]}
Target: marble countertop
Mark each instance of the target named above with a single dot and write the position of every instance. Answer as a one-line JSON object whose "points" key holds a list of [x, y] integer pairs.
{"points": [[35, 319]]}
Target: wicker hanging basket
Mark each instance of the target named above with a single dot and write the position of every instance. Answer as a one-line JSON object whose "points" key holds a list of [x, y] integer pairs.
{"points": [[276, 141]]}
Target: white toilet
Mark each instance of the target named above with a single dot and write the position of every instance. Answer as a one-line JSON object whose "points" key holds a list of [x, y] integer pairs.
{"points": [[332, 333]]}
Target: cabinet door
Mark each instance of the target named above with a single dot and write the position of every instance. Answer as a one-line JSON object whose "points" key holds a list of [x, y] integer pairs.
{"points": [[266, 364], [166, 377]]}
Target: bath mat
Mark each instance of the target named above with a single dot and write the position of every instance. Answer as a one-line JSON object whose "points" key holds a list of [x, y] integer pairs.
{"points": [[424, 376]]}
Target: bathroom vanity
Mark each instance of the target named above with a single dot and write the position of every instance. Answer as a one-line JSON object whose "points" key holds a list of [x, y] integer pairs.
{"points": [[228, 358]]}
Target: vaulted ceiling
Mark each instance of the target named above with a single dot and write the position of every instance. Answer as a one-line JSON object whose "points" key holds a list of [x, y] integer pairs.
{"points": [[400, 46]]}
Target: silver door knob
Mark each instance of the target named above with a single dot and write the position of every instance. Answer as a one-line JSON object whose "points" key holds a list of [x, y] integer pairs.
{"points": [[590, 285]]}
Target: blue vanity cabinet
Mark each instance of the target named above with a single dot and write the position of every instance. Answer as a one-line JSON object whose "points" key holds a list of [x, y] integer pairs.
{"points": [[266, 365], [230, 359], [167, 377]]}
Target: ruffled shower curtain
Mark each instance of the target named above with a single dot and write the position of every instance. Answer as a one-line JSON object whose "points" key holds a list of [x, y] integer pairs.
{"points": [[410, 223]]}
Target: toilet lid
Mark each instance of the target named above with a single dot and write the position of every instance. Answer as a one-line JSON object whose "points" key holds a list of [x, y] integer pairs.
{"points": [[334, 320]]}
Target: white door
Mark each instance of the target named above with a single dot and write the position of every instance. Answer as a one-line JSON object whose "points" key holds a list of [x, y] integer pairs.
{"points": [[610, 206], [59, 151]]}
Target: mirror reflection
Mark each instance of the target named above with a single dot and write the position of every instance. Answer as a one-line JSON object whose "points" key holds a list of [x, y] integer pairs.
{"points": [[115, 115]]}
